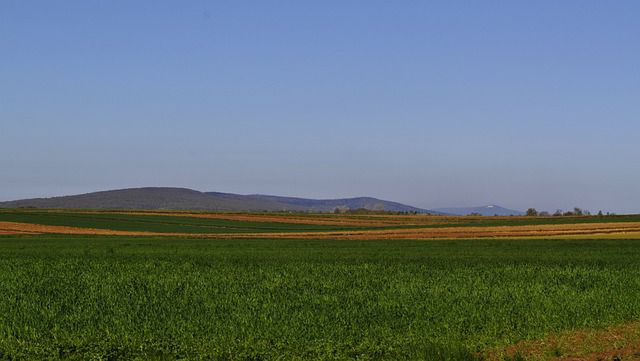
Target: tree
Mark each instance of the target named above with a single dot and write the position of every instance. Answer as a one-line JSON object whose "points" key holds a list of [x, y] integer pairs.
{"points": [[558, 213], [578, 211], [543, 214], [600, 214], [532, 212]]}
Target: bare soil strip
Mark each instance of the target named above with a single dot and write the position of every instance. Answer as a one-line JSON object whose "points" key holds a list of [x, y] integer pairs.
{"points": [[364, 220], [621, 341], [13, 230], [361, 220], [6, 232], [325, 219], [464, 232], [630, 228], [16, 228]]}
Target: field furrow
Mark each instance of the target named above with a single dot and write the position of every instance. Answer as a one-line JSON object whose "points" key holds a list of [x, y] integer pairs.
{"points": [[631, 229]]}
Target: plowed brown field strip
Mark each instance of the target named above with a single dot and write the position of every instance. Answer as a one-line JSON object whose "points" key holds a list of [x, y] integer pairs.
{"points": [[337, 220], [16, 227], [621, 341], [6, 232], [355, 220], [412, 233]]}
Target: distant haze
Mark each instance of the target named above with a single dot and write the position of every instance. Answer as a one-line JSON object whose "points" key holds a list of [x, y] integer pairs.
{"points": [[521, 104]]}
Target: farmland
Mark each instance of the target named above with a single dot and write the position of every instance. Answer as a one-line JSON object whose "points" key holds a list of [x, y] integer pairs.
{"points": [[298, 286]]}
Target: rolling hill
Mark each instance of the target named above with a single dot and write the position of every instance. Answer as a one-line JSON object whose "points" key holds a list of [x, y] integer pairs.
{"points": [[328, 205], [188, 199], [145, 198]]}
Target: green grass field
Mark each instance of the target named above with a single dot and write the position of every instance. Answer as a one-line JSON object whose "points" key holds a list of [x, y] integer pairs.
{"points": [[81, 297], [167, 223], [157, 223]]}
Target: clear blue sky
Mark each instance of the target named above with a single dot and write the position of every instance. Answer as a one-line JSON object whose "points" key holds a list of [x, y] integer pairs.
{"points": [[520, 103]]}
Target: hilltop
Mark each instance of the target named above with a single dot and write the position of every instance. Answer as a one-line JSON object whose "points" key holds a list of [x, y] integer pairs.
{"points": [[329, 205], [189, 199]]}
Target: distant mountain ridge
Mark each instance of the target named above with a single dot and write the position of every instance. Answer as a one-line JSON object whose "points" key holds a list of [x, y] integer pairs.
{"points": [[490, 210], [166, 198], [328, 205]]}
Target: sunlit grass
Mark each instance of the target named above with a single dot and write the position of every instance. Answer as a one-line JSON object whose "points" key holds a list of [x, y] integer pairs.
{"points": [[145, 298]]}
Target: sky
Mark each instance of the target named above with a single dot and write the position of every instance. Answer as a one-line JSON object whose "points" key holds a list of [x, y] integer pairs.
{"points": [[434, 104]]}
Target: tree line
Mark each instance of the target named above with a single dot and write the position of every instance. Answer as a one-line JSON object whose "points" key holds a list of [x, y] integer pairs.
{"points": [[532, 212]]}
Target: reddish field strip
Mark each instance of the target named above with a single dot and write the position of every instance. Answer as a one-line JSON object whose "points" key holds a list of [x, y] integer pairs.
{"points": [[413, 233], [325, 219], [621, 341], [13, 230], [5, 232], [462, 232], [362, 220], [17, 228]]}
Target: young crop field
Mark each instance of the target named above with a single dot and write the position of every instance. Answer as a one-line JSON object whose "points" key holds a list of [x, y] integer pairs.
{"points": [[310, 226], [166, 297]]}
